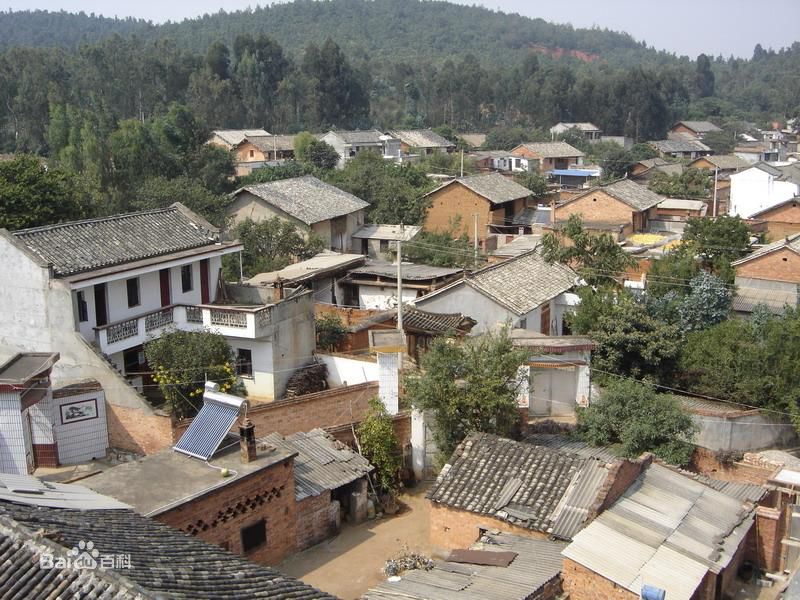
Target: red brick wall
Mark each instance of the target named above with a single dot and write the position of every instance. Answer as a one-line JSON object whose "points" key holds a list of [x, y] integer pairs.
{"points": [[622, 475], [581, 583], [316, 520], [458, 202], [781, 265], [45, 455], [597, 207], [765, 545], [218, 516], [705, 461], [137, 431], [453, 528]]}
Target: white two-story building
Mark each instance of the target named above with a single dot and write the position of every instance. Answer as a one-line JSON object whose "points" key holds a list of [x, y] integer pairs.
{"points": [[104, 287]]}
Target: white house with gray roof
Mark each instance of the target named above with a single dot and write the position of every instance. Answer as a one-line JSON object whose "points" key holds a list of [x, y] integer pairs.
{"points": [[526, 291], [763, 186], [349, 143], [313, 206]]}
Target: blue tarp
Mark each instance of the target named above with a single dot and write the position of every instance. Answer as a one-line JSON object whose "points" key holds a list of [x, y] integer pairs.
{"points": [[573, 173]]}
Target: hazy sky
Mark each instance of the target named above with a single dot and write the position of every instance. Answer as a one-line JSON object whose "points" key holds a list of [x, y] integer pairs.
{"points": [[681, 26]]}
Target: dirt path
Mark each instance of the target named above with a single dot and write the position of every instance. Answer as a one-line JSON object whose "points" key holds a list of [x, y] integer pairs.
{"points": [[351, 563]]}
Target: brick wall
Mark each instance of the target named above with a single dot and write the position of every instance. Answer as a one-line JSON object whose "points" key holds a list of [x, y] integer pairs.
{"points": [[349, 316], [452, 528], [45, 455], [781, 265], [706, 462], [597, 207], [219, 516], [777, 230], [458, 202], [620, 478], [137, 431], [317, 520], [765, 543], [581, 583]]}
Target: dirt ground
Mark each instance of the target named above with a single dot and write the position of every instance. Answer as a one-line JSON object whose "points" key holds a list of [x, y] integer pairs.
{"points": [[349, 564]]}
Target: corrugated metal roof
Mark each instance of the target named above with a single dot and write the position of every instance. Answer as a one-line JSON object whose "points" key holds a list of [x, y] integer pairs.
{"points": [[667, 530], [409, 270], [572, 446], [421, 138], [537, 562], [26, 489], [321, 464]]}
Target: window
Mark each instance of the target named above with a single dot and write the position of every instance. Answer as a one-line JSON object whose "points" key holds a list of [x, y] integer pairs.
{"points": [[244, 362], [384, 245], [252, 154], [254, 535], [83, 309], [133, 292], [186, 278]]}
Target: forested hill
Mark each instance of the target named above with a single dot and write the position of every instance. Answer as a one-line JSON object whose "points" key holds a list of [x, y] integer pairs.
{"points": [[379, 29]]}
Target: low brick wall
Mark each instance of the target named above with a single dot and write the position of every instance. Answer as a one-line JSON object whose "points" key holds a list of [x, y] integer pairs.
{"points": [[744, 471], [135, 430], [316, 520], [580, 583]]}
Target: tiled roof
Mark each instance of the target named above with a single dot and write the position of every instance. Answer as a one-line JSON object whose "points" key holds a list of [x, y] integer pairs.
{"points": [[756, 215], [666, 531], [367, 136], [306, 198], [585, 126], [409, 271], [569, 445], [519, 245], [552, 149], [237, 136], [668, 146], [791, 242], [726, 161], [533, 487], [536, 563], [322, 463], [699, 126], [492, 186], [164, 563], [420, 320], [80, 246], [631, 193], [268, 143], [421, 138], [524, 282]]}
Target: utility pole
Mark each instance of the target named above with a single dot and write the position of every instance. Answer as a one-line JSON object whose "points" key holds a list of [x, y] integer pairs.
{"points": [[716, 173], [475, 241], [462, 163], [400, 284]]}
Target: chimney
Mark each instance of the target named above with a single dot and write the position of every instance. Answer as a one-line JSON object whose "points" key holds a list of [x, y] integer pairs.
{"points": [[278, 288], [247, 441]]}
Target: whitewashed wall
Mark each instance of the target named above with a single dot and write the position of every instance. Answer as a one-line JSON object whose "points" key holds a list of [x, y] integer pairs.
{"points": [[12, 436], [82, 440], [382, 298], [348, 371]]}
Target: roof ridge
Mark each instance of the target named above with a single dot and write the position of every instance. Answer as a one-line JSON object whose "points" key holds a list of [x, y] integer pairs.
{"points": [[116, 217]]}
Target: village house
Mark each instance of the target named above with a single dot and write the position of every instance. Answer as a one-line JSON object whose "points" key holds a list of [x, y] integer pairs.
{"points": [[311, 205], [280, 495], [380, 241], [672, 214], [558, 369], [696, 130], [421, 141], [45, 427], [374, 285], [526, 291], [680, 148], [574, 178], [780, 220], [721, 166], [590, 131], [349, 143], [321, 274], [755, 152], [502, 161], [230, 138], [770, 276], [64, 540], [495, 484], [475, 205], [549, 155], [763, 186], [667, 532], [500, 566], [644, 170], [255, 152], [622, 204]]}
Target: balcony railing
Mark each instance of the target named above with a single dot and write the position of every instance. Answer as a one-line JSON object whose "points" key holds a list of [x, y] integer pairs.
{"points": [[194, 314], [122, 330], [228, 318], [158, 319]]}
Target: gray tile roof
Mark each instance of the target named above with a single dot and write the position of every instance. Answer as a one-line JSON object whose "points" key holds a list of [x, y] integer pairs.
{"points": [[669, 146], [552, 149], [631, 193], [667, 531], [322, 463], [164, 563], [268, 143], [524, 282], [421, 138], [791, 242], [409, 271], [415, 319], [726, 161], [537, 562], [519, 245], [367, 136], [80, 246], [531, 486], [699, 126], [306, 198], [235, 137], [492, 186]]}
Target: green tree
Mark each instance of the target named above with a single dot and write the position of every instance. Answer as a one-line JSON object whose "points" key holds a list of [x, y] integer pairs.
{"points": [[640, 420], [301, 142], [160, 192], [717, 242], [692, 183], [721, 142], [471, 386], [535, 182], [184, 360], [321, 155], [380, 446], [330, 331], [441, 249], [270, 245], [704, 77], [672, 272], [598, 258], [707, 303], [34, 195]]}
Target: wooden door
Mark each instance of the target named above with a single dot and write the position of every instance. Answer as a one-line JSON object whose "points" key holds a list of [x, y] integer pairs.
{"points": [[544, 326], [100, 306], [163, 281], [205, 297]]}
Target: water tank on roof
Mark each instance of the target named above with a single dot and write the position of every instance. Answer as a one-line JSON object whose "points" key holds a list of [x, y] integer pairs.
{"points": [[653, 593]]}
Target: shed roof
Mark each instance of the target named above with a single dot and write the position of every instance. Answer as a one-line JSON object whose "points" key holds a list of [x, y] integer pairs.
{"points": [[536, 563], [409, 271], [533, 487], [668, 146], [357, 136], [698, 126], [23, 366], [91, 244], [724, 161], [492, 186], [584, 126], [681, 204], [306, 198], [235, 137], [631, 193], [319, 265], [164, 562], [322, 463], [519, 245], [551, 149], [421, 138], [666, 531], [374, 231], [270, 143]]}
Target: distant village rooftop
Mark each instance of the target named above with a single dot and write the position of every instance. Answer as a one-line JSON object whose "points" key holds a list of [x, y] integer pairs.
{"points": [[492, 186]]}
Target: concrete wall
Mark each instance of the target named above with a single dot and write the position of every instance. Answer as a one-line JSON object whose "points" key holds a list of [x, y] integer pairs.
{"points": [[293, 338], [753, 190], [382, 297], [344, 371], [751, 431]]}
